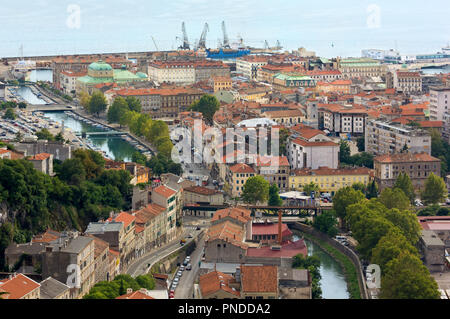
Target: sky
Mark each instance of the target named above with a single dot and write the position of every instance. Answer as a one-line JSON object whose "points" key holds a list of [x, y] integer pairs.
{"points": [[331, 28]]}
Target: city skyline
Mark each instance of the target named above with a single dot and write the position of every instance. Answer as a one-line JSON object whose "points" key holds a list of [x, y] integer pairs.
{"points": [[119, 26]]}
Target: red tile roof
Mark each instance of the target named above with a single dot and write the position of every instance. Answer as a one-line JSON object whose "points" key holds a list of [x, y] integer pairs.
{"points": [[435, 222], [326, 171], [242, 168], [240, 214], [406, 158], [259, 279], [123, 217], [18, 287], [270, 229], [268, 161], [40, 157], [201, 190], [164, 191], [135, 295], [290, 249], [215, 281]]}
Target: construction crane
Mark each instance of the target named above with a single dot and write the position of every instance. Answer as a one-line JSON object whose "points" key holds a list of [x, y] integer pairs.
{"points": [[226, 41], [154, 42], [185, 45], [202, 41]]}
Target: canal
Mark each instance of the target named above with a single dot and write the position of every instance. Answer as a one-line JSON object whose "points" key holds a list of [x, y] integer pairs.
{"points": [[40, 75], [333, 282], [115, 147]]}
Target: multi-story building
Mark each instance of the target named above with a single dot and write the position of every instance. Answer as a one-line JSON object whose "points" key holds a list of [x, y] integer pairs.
{"points": [[258, 282], [417, 166], [360, 68], [238, 176], [343, 118], [388, 137], [153, 219], [101, 259], [216, 285], [283, 81], [19, 287], [286, 117], [43, 162], [248, 65], [205, 70], [163, 102], [221, 83], [329, 180], [406, 81], [129, 233], [176, 72], [325, 75], [275, 170], [439, 102], [68, 81], [336, 86], [167, 197]]}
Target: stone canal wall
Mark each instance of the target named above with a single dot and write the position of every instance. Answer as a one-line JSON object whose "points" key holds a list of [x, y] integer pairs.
{"points": [[343, 249]]}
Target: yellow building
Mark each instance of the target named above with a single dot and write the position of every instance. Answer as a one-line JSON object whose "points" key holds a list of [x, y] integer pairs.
{"points": [[221, 83], [239, 174], [329, 180]]}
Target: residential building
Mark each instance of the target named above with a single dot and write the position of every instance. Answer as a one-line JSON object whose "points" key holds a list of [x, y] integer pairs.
{"points": [[5, 153], [405, 81], [282, 81], [101, 259], [286, 117], [329, 180], [112, 233], [19, 287], [138, 294], [266, 233], [360, 68], [275, 170], [343, 118], [325, 75], [128, 242], [337, 86], [68, 81], [54, 289], [418, 166], [220, 83], [206, 69], [216, 285], [59, 150], [153, 219], [390, 138], [199, 195], [70, 260], [439, 102], [439, 224], [258, 282], [238, 176], [167, 197], [248, 65], [43, 162]]}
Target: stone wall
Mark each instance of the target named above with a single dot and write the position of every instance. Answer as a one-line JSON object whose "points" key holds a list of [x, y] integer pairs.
{"points": [[343, 249]]}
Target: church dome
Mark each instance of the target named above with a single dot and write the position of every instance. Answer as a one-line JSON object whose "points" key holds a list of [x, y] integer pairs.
{"points": [[100, 66]]}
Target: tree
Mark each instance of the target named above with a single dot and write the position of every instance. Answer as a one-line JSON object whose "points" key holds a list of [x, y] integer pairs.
{"points": [[274, 198], [97, 103], [22, 105], [134, 104], [344, 152], [394, 198], [345, 197], [284, 135], [208, 105], [372, 190], [405, 277], [390, 247], [45, 134], [404, 183], [360, 142], [359, 186], [256, 189], [117, 109], [406, 222], [9, 114], [72, 171], [311, 187], [326, 223], [435, 190], [146, 281], [85, 99]]}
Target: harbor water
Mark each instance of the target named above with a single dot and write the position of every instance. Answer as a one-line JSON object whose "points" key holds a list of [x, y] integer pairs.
{"points": [[333, 282], [27, 94], [40, 75], [114, 147]]}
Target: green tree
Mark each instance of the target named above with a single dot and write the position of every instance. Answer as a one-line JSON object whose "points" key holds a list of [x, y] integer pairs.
{"points": [[146, 281], [360, 142], [139, 158], [134, 104], [22, 105], [435, 190], [359, 186], [45, 134], [85, 99], [9, 114], [390, 247], [344, 152], [311, 187], [117, 109], [345, 197], [284, 135], [97, 103], [256, 189], [394, 198], [72, 171], [326, 223], [406, 221], [404, 183], [208, 105], [405, 277], [274, 198], [372, 190]]}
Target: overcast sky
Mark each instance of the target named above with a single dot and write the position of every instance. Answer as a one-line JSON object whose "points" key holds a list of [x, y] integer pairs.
{"points": [[47, 26]]}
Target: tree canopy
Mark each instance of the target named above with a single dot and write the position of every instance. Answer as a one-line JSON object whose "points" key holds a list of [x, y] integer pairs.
{"points": [[326, 223], [274, 197], [435, 190], [404, 183], [97, 103], [208, 105], [256, 189], [343, 198], [394, 198]]}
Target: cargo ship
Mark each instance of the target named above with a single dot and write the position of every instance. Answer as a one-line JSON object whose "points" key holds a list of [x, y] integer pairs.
{"points": [[226, 53]]}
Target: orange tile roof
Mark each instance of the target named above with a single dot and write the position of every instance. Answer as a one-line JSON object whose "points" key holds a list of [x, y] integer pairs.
{"points": [[326, 171], [406, 158], [18, 287], [100, 246], [259, 279], [47, 237], [284, 113], [123, 217], [436, 124], [2, 151], [135, 295], [241, 168], [148, 212], [302, 142], [227, 231], [266, 161], [40, 157], [215, 281], [201, 190], [240, 214], [164, 191]]}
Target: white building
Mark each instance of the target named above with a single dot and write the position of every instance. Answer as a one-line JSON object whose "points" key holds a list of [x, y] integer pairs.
{"points": [[343, 118], [176, 72], [439, 102], [249, 65], [68, 81]]}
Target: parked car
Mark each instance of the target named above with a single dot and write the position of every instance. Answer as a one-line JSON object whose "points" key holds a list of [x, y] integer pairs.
{"points": [[188, 258], [198, 228], [179, 273], [182, 267], [185, 263], [189, 267]]}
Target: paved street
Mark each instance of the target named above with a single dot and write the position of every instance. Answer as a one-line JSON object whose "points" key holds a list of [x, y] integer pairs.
{"points": [[140, 266], [186, 284]]}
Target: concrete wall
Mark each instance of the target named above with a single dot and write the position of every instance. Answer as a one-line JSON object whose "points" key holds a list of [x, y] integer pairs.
{"points": [[343, 249]]}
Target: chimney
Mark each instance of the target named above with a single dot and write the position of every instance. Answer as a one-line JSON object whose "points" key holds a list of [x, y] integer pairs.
{"points": [[280, 239], [129, 290]]}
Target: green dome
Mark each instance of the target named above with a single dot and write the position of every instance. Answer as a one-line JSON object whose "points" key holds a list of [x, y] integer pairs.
{"points": [[100, 66], [142, 75]]}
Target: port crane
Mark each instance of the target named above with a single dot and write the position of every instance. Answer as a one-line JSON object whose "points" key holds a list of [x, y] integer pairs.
{"points": [[226, 41], [154, 42], [202, 42], [185, 45]]}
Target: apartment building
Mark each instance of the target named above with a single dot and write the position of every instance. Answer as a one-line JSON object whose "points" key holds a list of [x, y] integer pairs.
{"points": [[43, 162], [418, 166], [275, 170], [205, 70], [176, 72], [286, 117], [19, 287], [283, 81], [153, 220], [329, 180], [167, 197], [221, 83], [343, 118], [68, 81], [336, 86], [360, 68], [405, 81], [389, 137], [238, 176], [129, 235], [324, 75], [439, 102], [248, 65]]}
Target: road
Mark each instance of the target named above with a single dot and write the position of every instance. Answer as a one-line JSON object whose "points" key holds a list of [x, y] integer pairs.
{"points": [[186, 284], [140, 266]]}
